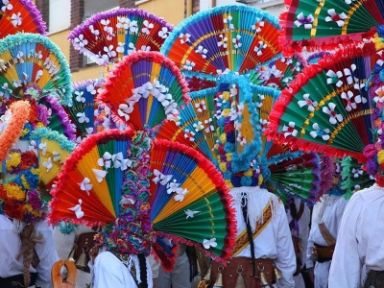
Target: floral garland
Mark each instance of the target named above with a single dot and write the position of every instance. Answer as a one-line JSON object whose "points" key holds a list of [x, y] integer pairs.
{"points": [[12, 125], [131, 232], [20, 193]]}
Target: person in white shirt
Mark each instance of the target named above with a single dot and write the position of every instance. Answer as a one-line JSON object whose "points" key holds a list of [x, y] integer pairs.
{"points": [[326, 215], [11, 261], [272, 243], [359, 249], [299, 217]]}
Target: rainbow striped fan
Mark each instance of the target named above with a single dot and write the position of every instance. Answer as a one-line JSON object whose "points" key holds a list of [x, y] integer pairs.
{"points": [[20, 16], [83, 107], [33, 67], [236, 38], [353, 177], [52, 149], [327, 108], [107, 175], [11, 125], [108, 36], [145, 89], [327, 24], [57, 118]]}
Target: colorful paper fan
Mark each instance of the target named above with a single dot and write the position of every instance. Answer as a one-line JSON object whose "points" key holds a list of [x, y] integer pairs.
{"points": [[190, 201], [327, 24], [144, 89], [57, 118], [20, 16], [108, 36], [33, 66], [235, 38], [353, 177], [83, 107], [327, 109], [52, 149], [11, 125], [99, 186], [79, 186], [295, 174], [279, 72]]}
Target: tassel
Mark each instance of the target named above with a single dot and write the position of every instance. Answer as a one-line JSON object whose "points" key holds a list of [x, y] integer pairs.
{"points": [[263, 280], [277, 273], [219, 280], [240, 282]]}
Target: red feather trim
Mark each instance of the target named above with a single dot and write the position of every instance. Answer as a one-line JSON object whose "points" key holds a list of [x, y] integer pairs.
{"points": [[70, 164], [167, 261], [289, 93], [218, 180], [319, 43]]}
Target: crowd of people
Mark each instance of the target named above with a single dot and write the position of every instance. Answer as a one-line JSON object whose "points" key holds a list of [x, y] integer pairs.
{"points": [[224, 152]]}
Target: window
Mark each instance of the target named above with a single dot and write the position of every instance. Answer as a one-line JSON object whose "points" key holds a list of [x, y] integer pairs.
{"points": [[59, 15], [91, 7]]}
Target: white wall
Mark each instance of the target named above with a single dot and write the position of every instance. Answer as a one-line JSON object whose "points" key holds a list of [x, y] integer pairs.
{"points": [[59, 15]]}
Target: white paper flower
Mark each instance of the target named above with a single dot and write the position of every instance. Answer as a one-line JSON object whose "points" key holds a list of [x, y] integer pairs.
{"points": [[290, 130], [258, 26], [209, 243], [80, 41], [6, 5], [334, 78], [357, 173], [77, 209], [86, 185], [82, 118], [190, 213], [338, 18], [334, 117], [133, 26], [48, 164], [184, 38], [94, 31], [237, 41], [307, 102], [202, 51], [318, 132], [106, 160], [161, 178], [228, 20], [164, 32], [223, 43], [305, 21], [16, 19], [147, 27], [260, 47], [100, 174], [79, 96], [189, 65], [122, 22]]}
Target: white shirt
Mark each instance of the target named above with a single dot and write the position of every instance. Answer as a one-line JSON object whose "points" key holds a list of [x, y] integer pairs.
{"points": [[329, 210], [110, 272], [10, 247], [275, 241], [359, 246]]}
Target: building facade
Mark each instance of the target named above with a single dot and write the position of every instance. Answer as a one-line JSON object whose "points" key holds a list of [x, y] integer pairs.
{"points": [[63, 15]]}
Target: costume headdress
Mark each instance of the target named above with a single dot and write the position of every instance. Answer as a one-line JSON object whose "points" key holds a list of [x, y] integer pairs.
{"points": [[108, 36], [226, 61], [138, 190], [20, 16]]}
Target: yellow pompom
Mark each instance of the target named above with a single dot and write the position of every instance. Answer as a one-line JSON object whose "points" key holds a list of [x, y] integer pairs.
{"points": [[248, 173], [223, 167], [261, 180], [228, 156], [379, 43], [25, 182], [13, 160], [223, 138], [226, 112], [380, 157], [226, 96], [14, 192]]}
